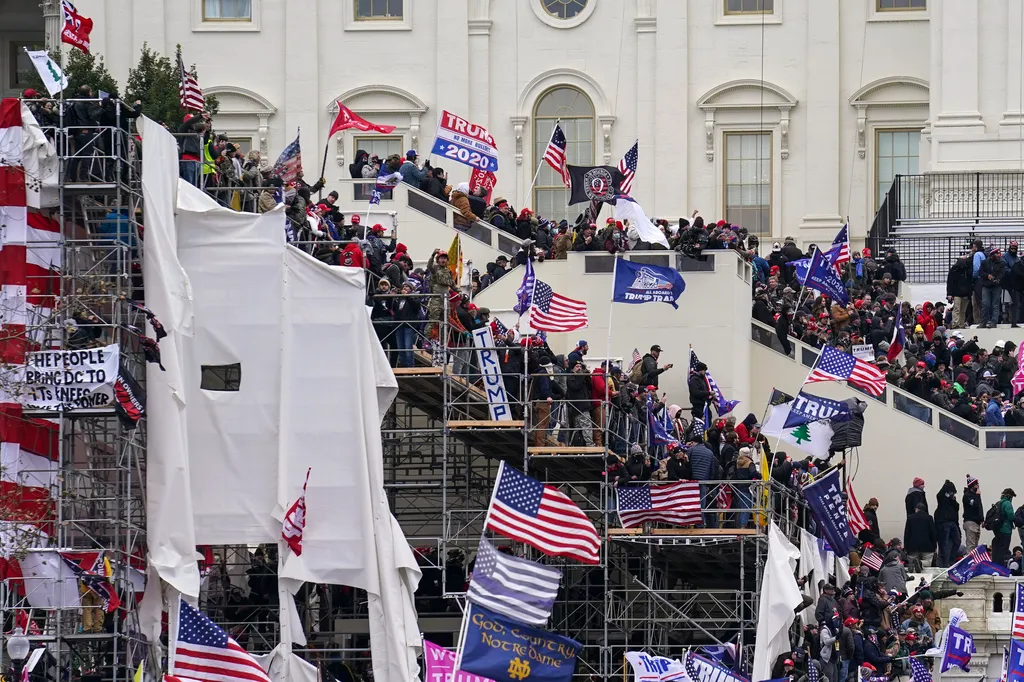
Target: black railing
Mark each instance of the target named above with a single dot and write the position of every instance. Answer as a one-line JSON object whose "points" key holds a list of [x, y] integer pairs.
{"points": [[966, 199]]}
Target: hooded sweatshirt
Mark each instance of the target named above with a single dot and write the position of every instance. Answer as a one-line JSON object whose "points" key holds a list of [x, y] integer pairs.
{"points": [[914, 497], [948, 508], [973, 508]]}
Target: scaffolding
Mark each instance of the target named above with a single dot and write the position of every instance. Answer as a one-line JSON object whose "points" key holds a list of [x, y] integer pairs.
{"points": [[655, 589], [95, 501]]}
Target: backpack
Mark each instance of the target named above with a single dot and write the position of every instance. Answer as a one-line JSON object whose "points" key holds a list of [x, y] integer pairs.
{"points": [[1018, 517], [637, 373], [994, 517]]}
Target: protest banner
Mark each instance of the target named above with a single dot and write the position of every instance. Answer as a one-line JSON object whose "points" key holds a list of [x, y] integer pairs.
{"points": [[490, 368], [64, 379]]}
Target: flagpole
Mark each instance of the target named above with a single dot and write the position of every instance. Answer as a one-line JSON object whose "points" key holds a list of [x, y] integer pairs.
{"points": [[608, 359], [540, 165]]}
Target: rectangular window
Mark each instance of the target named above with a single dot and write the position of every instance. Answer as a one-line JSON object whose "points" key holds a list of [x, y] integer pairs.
{"points": [[378, 10], [227, 10], [896, 153], [749, 6], [748, 181], [21, 69], [900, 5]]}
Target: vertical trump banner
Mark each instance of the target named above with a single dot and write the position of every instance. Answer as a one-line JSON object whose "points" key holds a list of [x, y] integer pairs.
{"points": [[487, 356]]}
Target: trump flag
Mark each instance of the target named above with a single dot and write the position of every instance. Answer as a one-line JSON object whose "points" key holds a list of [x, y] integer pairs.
{"points": [[642, 283]]}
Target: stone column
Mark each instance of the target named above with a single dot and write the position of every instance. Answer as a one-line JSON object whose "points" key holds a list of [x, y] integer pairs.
{"points": [[821, 194], [666, 164], [646, 99], [959, 110], [302, 85], [1013, 116], [52, 21], [480, 62]]}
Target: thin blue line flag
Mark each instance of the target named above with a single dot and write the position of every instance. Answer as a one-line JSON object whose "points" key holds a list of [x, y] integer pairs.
{"points": [[825, 499], [821, 276], [641, 283], [505, 650]]}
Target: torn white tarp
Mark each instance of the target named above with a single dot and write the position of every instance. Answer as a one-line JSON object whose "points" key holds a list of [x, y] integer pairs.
{"points": [[779, 596]]}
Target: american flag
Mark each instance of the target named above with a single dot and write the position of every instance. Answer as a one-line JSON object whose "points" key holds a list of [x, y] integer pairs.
{"points": [[204, 652], [698, 429], [295, 520], [872, 559], [520, 589], [627, 166], [812, 671], [636, 357], [919, 671], [499, 328], [1017, 628], [188, 89], [979, 554], [840, 251], [553, 312], [690, 663], [677, 503], [724, 497], [834, 365], [524, 509], [555, 153], [289, 163], [854, 513]]}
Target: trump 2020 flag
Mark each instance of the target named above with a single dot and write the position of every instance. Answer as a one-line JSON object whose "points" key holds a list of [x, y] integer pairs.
{"points": [[641, 283], [825, 498], [807, 408], [821, 276], [504, 649], [959, 647], [1015, 662]]}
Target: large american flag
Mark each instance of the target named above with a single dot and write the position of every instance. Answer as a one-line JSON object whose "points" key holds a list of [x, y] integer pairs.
{"points": [[524, 509], [555, 153], [627, 166], [553, 312], [1017, 628], [289, 163], [677, 503], [835, 365], [520, 589], [858, 521], [188, 89], [919, 671], [204, 652]]}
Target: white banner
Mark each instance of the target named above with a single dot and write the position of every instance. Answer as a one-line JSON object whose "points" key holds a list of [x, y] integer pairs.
{"points": [[864, 351], [490, 368], [648, 668], [68, 379]]}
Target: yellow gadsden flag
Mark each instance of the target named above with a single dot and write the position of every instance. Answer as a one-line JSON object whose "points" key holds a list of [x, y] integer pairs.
{"points": [[455, 260], [764, 499]]}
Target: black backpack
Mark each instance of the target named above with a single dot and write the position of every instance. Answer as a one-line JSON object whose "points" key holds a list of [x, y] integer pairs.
{"points": [[994, 517], [1018, 517]]}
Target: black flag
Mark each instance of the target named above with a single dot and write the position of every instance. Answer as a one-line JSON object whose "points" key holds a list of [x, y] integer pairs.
{"points": [[131, 399], [593, 183]]}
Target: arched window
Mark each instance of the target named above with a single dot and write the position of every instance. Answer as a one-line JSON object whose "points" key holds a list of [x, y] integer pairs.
{"points": [[997, 602], [574, 112]]}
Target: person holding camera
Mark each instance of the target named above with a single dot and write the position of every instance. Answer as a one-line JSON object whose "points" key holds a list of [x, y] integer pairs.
{"points": [[411, 173]]}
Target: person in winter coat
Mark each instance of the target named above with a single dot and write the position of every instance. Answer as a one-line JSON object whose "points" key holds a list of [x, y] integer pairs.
{"points": [[543, 241], [748, 429], [871, 514], [700, 393], [991, 274], [915, 496], [1001, 541], [578, 395], [1013, 282], [704, 467], [919, 536], [561, 246], [678, 466], [355, 168], [947, 524], [893, 574], [435, 184], [464, 216], [741, 497], [974, 513], [413, 174], [650, 371], [893, 267]]}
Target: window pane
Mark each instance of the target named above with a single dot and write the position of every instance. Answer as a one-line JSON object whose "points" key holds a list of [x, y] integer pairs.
{"points": [[914, 143], [748, 146], [363, 9], [748, 188], [732, 172], [748, 171], [885, 169], [899, 144], [395, 8], [212, 10], [885, 144]]}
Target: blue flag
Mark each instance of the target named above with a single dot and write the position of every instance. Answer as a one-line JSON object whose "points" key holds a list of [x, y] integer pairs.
{"points": [[639, 283], [959, 647], [977, 562], [375, 197], [1015, 662], [821, 276], [503, 649], [825, 498], [524, 294], [656, 430], [807, 408]]}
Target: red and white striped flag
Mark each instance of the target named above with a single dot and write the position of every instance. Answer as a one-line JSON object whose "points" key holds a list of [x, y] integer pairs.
{"points": [[676, 503], [28, 447], [854, 512], [295, 520], [872, 559], [636, 357], [553, 312], [1017, 625], [554, 154], [188, 89], [627, 166], [203, 651]]}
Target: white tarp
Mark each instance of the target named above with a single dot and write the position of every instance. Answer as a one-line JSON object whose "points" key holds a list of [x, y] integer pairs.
{"points": [[276, 313], [779, 596], [49, 582], [810, 560], [40, 162]]}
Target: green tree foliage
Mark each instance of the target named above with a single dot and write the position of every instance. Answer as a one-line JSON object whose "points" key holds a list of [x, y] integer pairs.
{"points": [[81, 69], [155, 82]]}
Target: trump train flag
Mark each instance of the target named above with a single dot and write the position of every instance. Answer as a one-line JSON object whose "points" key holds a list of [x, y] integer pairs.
{"points": [[641, 283]]}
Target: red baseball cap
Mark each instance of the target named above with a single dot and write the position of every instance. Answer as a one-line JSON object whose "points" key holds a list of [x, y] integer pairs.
{"points": [[355, 219]]}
